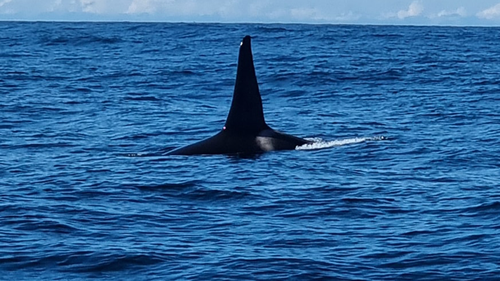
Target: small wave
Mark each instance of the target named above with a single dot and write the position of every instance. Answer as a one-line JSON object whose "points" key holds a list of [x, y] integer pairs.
{"points": [[170, 185], [79, 40], [191, 191], [203, 194], [484, 209], [318, 143], [142, 98]]}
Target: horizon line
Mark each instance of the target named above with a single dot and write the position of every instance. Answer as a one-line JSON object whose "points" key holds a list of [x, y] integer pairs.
{"points": [[244, 22]]}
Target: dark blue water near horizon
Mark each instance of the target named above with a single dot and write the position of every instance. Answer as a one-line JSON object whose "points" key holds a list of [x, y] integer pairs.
{"points": [[421, 203]]}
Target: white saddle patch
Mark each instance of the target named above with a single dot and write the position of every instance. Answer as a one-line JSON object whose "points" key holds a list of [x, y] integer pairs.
{"points": [[265, 143]]}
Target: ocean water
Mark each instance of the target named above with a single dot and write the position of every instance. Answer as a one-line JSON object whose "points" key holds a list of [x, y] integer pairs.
{"points": [[404, 184]]}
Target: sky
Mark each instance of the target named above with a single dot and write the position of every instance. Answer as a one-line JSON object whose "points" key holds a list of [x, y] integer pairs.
{"points": [[400, 12]]}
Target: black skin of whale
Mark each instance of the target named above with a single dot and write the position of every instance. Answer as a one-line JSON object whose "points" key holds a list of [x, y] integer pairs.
{"points": [[245, 131]]}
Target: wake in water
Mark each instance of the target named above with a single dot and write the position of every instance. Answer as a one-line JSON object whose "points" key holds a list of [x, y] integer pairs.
{"points": [[319, 143]]}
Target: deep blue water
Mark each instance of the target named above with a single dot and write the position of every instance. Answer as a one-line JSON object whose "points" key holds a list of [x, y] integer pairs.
{"points": [[423, 202]]}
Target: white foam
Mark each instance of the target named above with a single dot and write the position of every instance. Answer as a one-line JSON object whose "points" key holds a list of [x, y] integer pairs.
{"points": [[134, 155], [318, 143]]}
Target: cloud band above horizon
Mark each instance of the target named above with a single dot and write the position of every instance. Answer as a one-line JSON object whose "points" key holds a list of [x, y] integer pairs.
{"points": [[426, 12]]}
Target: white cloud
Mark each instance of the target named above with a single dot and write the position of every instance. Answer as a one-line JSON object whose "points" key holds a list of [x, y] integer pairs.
{"points": [[237, 10], [347, 17], [490, 13], [458, 12], [54, 6], [141, 7], [226, 8], [5, 10], [87, 6], [4, 2], [307, 14], [102, 6], [415, 9]]}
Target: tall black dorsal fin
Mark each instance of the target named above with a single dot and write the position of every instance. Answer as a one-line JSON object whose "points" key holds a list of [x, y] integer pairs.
{"points": [[246, 114]]}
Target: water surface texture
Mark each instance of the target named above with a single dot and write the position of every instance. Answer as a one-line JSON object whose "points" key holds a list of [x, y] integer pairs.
{"points": [[420, 203]]}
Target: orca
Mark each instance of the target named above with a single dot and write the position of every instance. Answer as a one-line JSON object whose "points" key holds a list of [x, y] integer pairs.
{"points": [[245, 131]]}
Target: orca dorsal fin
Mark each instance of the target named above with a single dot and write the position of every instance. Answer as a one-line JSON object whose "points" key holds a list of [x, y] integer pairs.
{"points": [[246, 114]]}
